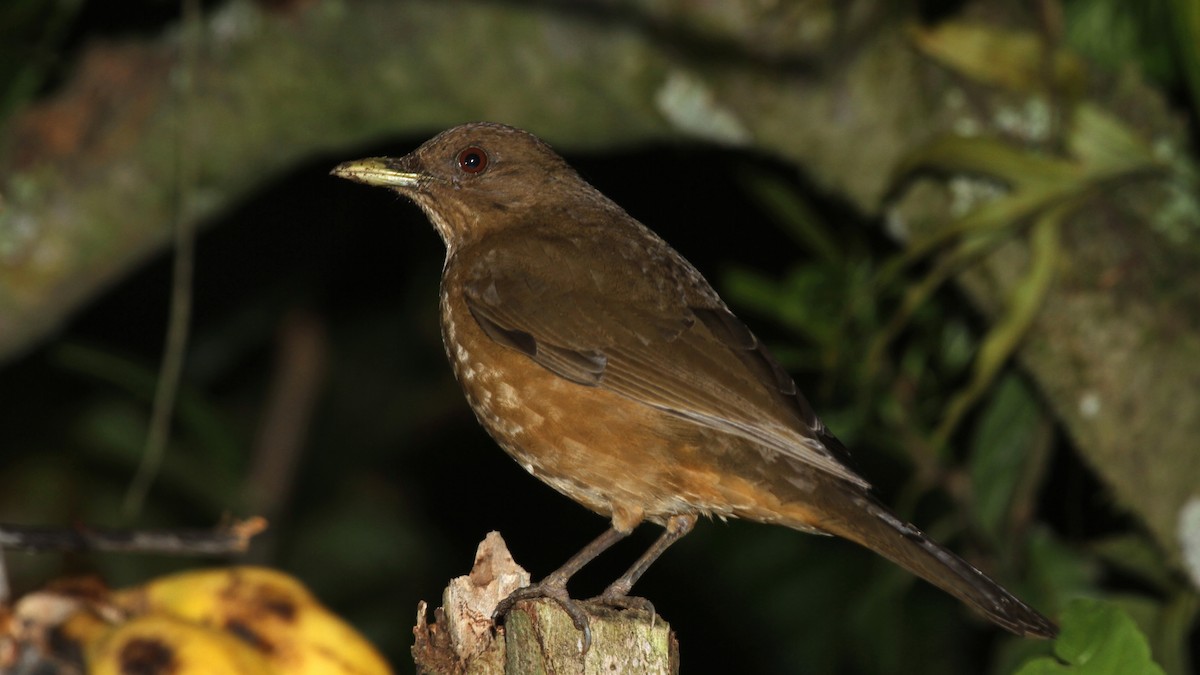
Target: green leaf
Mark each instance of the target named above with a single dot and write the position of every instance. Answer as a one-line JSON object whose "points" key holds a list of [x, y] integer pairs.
{"points": [[1005, 336], [991, 156], [1105, 144], [1014, 60], [999, 451], [1061, 570], [1097, 638]]}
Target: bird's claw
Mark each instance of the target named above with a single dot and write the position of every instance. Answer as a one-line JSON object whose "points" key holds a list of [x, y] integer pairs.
{"points": [[555, 592], [624, 601]]}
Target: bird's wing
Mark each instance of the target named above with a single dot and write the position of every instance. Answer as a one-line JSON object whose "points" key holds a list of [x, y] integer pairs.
{"points": [[659, 336]]}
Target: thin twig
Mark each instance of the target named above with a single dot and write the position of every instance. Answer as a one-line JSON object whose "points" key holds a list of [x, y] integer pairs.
{"points": [[5, 589], [295, 387], [179, 323], [225, 540]]}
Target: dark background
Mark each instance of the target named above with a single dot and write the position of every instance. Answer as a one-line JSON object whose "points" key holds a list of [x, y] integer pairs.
{"points": [[396, 484]]}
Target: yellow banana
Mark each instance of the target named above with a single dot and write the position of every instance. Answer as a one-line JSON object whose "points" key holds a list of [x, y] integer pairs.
{"points": [[235, 621], [268, 611], [161, 644]]}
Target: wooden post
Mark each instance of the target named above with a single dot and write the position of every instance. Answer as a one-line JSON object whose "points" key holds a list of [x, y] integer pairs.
{"points": [[537, 635]]}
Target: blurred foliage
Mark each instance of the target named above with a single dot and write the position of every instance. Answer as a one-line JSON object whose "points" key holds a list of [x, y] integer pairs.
{"points": [[875, 338], [39, 38], [35, 31], [843, 300], [1185, 19], [1118, 34], [1097, 639], [1043, 191], [1014, 60]]}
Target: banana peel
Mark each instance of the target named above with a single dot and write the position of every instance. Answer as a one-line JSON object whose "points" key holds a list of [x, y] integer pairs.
{"points": [[161, 643], [236, 620]]}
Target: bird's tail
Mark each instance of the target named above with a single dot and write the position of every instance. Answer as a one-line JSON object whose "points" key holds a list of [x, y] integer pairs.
{"points": [[859, 517]]}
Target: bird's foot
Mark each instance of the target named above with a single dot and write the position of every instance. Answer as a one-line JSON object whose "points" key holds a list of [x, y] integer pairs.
{"points": [[556, 591], [622, 600]]}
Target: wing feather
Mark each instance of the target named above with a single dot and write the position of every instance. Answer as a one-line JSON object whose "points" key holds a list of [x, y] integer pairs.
{"points": [[667, 342]]}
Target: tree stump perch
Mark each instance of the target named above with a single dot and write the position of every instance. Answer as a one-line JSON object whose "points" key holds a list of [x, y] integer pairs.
{"points": [[537, 635]]}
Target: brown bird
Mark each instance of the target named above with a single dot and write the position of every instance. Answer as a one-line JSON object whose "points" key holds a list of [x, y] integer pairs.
{"points": [[606, 365]]}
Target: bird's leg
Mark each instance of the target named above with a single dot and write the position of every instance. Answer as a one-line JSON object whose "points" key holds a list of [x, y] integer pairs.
{"points": [[554, 586], [617, 593]]}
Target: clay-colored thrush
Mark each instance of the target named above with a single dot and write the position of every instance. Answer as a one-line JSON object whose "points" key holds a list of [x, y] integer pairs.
{"points": [[606, 365]]}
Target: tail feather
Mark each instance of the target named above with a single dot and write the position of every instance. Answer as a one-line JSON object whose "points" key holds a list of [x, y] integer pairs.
{"points": [[867, 522]]}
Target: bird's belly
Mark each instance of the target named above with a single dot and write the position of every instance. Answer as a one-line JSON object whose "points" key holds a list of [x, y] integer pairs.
{"points": [[615, 456]]}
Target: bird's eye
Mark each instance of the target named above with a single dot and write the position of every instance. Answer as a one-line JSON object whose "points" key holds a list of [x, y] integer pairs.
{"points": [[473, 160]]}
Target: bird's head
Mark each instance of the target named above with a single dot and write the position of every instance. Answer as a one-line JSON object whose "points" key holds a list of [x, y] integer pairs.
{"points": [[476, 178]]}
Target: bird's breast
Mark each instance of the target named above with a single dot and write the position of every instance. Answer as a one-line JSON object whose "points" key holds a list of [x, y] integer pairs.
{"points": [[615, 456]]}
